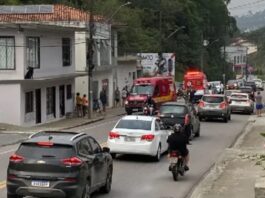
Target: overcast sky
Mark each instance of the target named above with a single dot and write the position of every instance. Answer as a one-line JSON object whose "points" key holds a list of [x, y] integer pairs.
{"points": [[243, 7]]}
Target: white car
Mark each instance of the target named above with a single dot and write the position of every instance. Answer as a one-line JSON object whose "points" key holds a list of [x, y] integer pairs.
{"points": [[241, 102], [259, 84], [134, 134]]}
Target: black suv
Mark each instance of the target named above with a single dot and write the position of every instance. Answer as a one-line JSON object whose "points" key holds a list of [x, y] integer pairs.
{"points": [[59, 164], [171, 113]]}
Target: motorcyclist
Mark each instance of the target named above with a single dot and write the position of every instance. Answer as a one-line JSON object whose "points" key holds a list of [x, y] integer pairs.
{"points": [[150, 102], [178, 141]]}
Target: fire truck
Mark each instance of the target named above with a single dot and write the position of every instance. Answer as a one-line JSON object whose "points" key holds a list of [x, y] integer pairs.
{"points": [[161, 89], [195, 79]]}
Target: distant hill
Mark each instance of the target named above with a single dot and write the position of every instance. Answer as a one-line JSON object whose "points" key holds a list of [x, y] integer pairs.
{"points": [[251, 21]]}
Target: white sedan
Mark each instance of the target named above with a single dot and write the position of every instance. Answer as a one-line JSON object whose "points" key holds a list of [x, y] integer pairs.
{"points": [[134, 134]]}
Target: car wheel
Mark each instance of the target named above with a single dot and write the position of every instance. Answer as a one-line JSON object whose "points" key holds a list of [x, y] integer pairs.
{"points": [[229, 117], [129, 112], [158, 154], [113, 155], [13, 196], [86, 193], [225, 119], [107, 187], [198, 133]]}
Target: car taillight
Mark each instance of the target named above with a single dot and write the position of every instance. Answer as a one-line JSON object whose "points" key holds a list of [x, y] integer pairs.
{"points": [[11, 176], [70, 179], [16, 158], [114, 135], [187, 119], [148, 137], [201, 104], [45, 144], [72, 161], [174, 154], [222, 105]]}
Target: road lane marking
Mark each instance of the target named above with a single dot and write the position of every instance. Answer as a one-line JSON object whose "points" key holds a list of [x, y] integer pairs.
{"points": [[2, 184]]}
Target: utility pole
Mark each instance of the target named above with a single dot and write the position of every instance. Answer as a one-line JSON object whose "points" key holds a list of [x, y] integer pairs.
{"points": [[246, 67], [160, 23], [90, 53]]}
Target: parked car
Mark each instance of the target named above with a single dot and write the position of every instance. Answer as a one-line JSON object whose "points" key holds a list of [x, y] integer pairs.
{"points": [[241, 82], [214, 106], [135, 134], [241, 102], [59, 164], [172, 113], [259, 84], [249, 90], [251, 84], [232, 84]]}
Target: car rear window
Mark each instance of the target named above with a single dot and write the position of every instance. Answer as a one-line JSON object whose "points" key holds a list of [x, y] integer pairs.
{"points": [[237, 96], [246, 90], [177, 109], [32, 150], [213, 99], [134, 124]]}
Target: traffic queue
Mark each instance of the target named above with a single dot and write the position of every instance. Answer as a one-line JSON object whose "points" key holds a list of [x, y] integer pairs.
{"points": [[74, 165]]}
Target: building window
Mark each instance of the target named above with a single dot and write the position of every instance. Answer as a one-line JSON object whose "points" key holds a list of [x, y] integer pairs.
{"points": [[66, 50], [51, 101], [7, 53], [244, 59], [33, 52], [69, 91], [29, 102], [238, 59], [234, 60]]}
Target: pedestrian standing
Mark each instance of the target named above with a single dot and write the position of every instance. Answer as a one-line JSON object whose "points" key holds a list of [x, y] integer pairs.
{"points": [[124, 95], [117, 97], [85, 105], [103, 99], [78, 101], [259, 104]]}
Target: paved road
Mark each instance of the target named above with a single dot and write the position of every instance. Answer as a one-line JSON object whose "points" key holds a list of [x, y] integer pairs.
{"points": [[137, 176]]}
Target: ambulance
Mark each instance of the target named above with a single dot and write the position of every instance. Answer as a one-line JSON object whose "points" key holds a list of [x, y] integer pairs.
{"points": [[161, 89]]}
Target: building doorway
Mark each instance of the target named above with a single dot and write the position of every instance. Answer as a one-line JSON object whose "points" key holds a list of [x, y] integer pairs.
{"points": [[62, 100], [38, 105]]}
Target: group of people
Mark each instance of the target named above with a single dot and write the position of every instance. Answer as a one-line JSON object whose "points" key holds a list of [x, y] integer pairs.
{"points": [[123, 94], [81, 105]]}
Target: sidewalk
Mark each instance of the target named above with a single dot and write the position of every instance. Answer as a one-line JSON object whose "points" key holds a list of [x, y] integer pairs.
{"points": [[235, 173], [11, 134]]}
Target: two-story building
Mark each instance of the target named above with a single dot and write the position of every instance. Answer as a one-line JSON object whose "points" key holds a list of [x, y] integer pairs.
{"points": [[42, 37]]}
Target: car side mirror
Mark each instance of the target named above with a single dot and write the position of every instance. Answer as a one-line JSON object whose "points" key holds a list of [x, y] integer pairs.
{"points": [[105, 150]]}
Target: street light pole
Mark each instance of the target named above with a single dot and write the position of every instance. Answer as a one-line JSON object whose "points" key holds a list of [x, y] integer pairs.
{"points": [[246, 67], [118, 9], [90, 53], [179, 28]]}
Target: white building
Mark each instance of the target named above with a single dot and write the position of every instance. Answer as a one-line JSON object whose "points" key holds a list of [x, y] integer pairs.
{"points": [[237, 54], [42, 37], [111, 70]]}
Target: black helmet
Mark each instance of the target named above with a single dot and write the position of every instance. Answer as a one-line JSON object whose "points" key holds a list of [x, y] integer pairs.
{"points": [[177, 128]]}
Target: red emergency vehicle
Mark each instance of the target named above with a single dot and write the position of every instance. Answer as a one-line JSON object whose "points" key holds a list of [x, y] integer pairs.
{"points": [[161, 89], [195, 79]]}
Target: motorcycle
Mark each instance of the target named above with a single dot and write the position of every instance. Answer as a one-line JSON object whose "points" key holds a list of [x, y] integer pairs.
{"points": [[148, 110], [177, 166]]}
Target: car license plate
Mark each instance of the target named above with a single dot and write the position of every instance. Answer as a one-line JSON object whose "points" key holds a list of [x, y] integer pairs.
{"points": [[135, 109], [42, 184], [129, 139], [173, 160]]}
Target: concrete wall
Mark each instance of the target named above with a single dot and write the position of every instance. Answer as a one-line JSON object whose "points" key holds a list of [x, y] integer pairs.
{"points": [[29, 119], [10, 104], [125, 74]]}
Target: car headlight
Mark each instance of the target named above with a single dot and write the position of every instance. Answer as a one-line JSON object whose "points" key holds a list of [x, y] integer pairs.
{"points": [[126, 102]]}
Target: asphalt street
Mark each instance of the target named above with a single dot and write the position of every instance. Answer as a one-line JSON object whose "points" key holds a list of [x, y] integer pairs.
{"points": [[138, 176]]}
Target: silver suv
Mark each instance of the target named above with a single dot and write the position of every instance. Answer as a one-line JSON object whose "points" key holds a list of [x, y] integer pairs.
{"points": [[214, 106]]}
